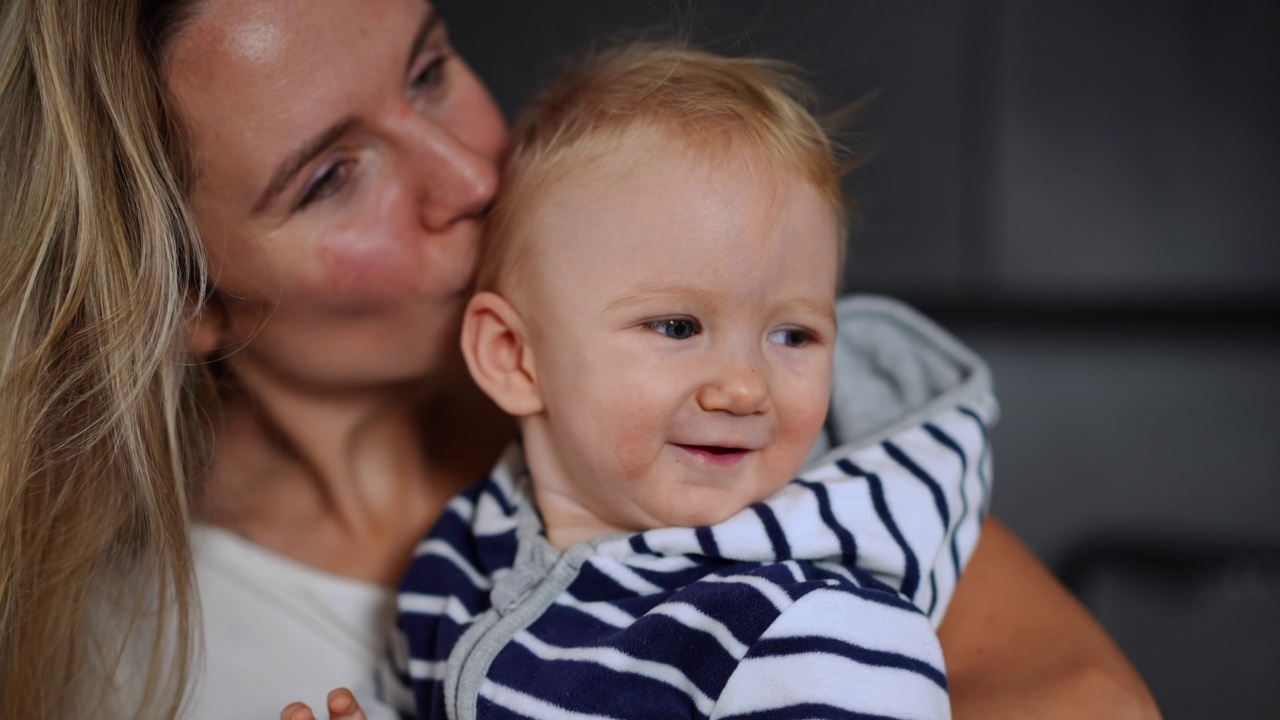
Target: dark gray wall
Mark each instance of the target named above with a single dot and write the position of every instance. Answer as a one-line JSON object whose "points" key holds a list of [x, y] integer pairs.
{"points": [[1087, 193], [1138, 154], [910, 57], [1025, 153]]}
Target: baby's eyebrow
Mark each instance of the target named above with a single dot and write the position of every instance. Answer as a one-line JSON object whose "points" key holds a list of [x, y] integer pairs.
{"points": [[807, 304], [646, 295], [816, 306]]}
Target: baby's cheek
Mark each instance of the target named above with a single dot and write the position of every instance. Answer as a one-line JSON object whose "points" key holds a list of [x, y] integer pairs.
{"points": [[626, 433], [629, 445], [806, 416]]}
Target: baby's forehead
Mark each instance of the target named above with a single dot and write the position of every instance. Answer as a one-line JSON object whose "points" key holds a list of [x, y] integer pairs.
{"points": [[626, 171], [686, 205], [639, 157]]}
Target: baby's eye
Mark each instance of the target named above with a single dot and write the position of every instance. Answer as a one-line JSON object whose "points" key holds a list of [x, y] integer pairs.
{"points": [[791, 337], [676, 328]]}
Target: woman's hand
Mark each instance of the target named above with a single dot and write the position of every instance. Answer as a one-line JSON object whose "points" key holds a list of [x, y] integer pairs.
{"points": [[342, 706], [1018, 645]]}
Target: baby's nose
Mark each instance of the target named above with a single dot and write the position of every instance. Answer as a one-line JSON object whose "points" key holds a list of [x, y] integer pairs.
{"points": [[738, 388]]}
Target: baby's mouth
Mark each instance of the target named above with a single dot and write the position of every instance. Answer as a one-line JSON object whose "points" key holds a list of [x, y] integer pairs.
{"points": [[715, 449], [715, 454]]}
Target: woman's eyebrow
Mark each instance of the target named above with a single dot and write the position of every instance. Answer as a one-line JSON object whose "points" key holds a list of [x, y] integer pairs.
{"points": [[298, 159]]}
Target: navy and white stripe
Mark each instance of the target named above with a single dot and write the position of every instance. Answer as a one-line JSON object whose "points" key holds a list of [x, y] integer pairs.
{"points": [[819, 602]]}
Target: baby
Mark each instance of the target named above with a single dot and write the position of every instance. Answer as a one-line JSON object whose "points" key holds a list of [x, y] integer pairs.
{"points": [[656, 306]]}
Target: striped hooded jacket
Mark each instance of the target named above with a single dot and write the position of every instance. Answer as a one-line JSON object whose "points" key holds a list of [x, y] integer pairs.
{"points": [[821, 601]]}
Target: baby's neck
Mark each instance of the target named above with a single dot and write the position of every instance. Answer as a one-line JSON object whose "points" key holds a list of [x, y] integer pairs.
{"points": [[566, 521]]}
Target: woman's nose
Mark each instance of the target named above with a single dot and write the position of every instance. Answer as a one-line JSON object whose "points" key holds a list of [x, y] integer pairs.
{"points": [[737, 387], [454, 181]]}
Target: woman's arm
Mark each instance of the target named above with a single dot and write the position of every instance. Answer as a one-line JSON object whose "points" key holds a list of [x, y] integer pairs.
{"points": [[1018, 645]]}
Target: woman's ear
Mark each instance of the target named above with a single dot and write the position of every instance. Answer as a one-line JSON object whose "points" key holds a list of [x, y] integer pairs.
{"points": [[205, 327], [495, 345]]}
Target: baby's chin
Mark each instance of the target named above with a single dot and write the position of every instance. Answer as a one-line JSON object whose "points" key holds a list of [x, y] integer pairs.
{"points": [[703, 507], [699, 517]]}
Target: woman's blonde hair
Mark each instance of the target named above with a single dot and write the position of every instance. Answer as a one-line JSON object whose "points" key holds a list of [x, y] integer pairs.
{"points": [[99, 432], [749, 107]]}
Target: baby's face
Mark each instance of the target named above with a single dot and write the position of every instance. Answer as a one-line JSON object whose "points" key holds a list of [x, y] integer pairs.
{"points": [[681, 324]]}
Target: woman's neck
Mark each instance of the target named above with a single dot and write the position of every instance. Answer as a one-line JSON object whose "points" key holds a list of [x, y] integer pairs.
{"points": [[347, 482]]}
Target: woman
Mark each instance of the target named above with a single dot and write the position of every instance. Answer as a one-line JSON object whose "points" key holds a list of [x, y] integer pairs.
{"points": [[237, 240]]}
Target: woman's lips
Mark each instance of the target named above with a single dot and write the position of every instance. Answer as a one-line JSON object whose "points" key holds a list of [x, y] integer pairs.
{"points": [[715, 454]]}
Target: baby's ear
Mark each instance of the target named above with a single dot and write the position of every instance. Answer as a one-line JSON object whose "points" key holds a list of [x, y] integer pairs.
{"points": [[497, 352]]}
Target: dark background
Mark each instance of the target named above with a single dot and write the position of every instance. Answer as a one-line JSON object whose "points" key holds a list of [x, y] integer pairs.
{"points": [[1087, 193]]}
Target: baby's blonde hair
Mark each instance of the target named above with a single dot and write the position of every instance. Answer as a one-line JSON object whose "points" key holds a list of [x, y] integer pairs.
{"points": [[706, 102]]}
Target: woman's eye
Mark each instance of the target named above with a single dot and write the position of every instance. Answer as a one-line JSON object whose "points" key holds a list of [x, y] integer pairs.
{"points": [[790, 337], [326, 184], [430, 77], [676, 328]]}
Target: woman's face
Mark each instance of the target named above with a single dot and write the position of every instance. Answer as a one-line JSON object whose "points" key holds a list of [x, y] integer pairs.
{"points": [[344, 157]]}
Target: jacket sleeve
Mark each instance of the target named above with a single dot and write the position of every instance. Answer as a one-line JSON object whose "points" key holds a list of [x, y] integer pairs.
{"points": [[910, 418], [839, 653]]}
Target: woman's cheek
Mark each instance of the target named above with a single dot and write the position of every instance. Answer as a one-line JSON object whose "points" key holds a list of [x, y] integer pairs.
{"points": [[368, 241], [378, 251], [354, 266]]}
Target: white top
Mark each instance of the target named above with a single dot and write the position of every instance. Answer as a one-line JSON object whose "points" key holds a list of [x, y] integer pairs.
{"points": [[276, 631]]}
